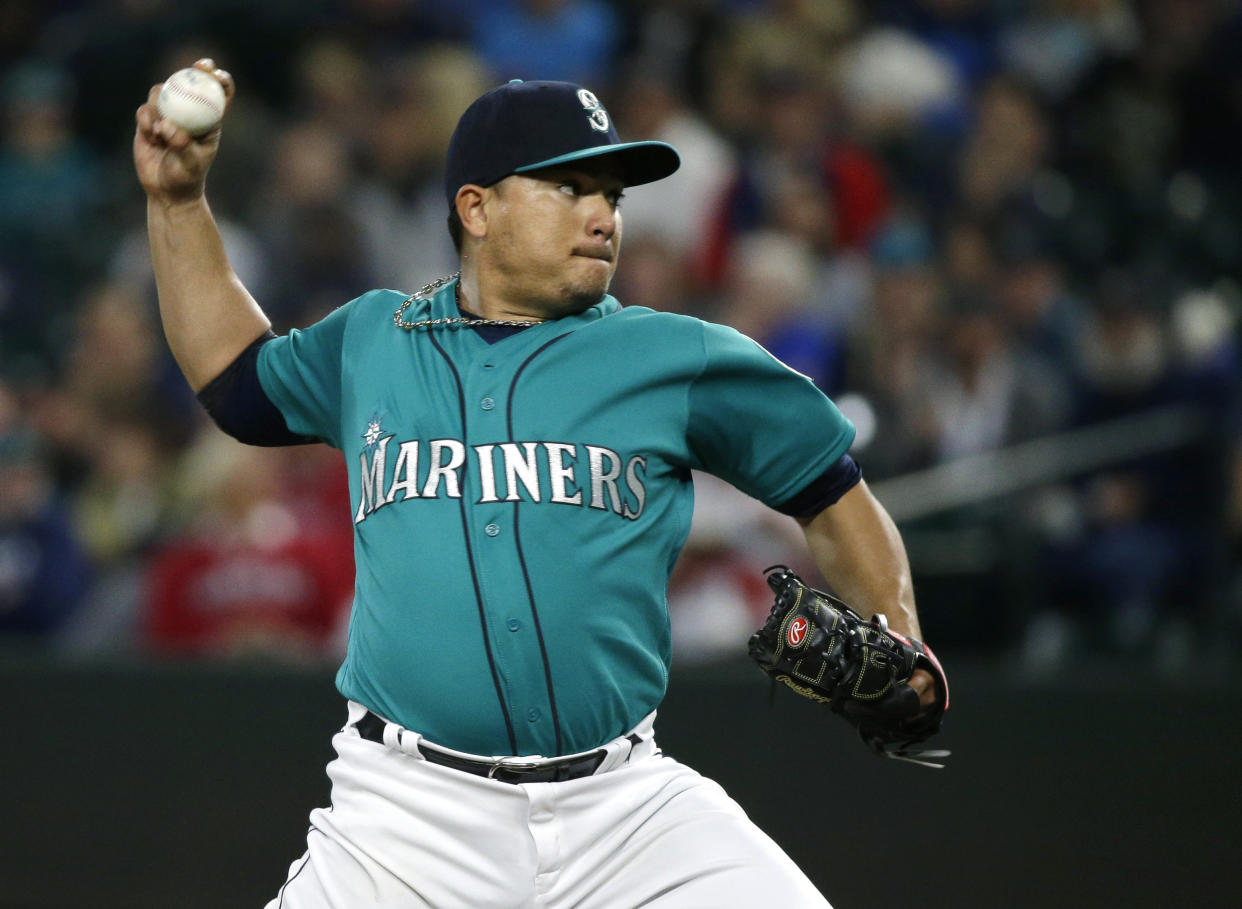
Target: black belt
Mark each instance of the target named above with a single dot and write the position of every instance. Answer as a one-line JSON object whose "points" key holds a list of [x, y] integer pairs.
{"points": [[371, 728]]}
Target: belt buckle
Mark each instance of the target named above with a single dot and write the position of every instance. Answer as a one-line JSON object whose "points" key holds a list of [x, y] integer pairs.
{"points": [[515, 766]]}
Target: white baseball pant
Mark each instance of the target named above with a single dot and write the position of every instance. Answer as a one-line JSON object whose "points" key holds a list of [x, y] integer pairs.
{"points": [[403, 832]]}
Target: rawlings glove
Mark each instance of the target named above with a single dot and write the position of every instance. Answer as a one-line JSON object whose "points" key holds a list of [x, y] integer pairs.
{"points": [[825, 651]]}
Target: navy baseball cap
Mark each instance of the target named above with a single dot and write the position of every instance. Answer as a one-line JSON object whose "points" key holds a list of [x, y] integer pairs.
{"points": [[523, 126]]}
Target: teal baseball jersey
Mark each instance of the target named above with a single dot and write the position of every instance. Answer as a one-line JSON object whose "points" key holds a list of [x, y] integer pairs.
{"points": [[518, 506]]}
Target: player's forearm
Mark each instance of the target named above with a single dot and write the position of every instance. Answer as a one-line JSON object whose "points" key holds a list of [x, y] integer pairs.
{"points": [[209, 317], [860, 552]]}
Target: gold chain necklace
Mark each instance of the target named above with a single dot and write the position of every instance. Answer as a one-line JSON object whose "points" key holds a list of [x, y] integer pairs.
{"points": [[460, 322]]}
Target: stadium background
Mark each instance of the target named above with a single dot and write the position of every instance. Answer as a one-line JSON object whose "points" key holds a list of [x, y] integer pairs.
{"points": [[1004, 234]]}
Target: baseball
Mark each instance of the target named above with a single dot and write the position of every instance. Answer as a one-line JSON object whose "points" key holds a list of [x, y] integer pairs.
{"points": [[192, 99]]}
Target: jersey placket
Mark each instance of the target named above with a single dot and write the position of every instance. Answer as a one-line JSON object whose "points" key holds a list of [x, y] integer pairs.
{"points": [[493, 516]]}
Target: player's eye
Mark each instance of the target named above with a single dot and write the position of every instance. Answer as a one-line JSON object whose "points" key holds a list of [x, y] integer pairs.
{"points": [[575, 189]]}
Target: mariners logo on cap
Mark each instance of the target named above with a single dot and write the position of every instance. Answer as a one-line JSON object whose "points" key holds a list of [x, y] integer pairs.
{"points": [[797, 631], [599, 116]]}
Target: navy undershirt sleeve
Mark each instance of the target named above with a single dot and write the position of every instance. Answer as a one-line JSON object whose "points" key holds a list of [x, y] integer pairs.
{"points": [[237, 403], [826, 489]]}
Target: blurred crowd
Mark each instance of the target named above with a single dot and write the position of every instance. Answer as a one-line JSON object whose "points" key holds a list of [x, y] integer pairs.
{"points": [[975, 223]]}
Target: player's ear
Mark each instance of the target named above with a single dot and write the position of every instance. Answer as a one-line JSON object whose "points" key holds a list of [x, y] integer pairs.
{"points": [[471, 205]]}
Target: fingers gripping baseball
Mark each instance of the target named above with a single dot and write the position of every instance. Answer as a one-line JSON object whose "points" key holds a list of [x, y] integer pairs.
{"points": [[171, 163]]}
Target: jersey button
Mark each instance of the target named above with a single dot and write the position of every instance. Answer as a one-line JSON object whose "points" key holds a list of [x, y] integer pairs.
{"points": [[492, 530], [487, 403], [534, 714], [514, 624]]}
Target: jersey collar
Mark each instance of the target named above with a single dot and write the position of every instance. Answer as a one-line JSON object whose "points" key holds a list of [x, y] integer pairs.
{"points": [[444, 306]]}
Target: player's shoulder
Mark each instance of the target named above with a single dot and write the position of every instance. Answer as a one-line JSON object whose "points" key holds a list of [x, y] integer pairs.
{"points": [[664, 337], [380, 299], [678, 327], [645, 319], [376, 308]]}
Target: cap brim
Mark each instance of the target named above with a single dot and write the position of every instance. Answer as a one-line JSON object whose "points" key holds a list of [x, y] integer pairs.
{"points": [[637, 162]]}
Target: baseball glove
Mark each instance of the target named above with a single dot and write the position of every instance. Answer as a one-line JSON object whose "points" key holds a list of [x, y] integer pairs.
{"points": [[827, 652]]}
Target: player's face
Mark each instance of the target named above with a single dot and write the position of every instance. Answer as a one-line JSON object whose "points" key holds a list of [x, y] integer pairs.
{"points": [[554, 236]]}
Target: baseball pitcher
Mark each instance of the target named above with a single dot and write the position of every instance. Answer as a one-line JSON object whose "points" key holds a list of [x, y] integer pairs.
{"points": [[519, 448]]}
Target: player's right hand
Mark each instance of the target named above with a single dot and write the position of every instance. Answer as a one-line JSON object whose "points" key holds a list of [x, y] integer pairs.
{"points": [[172, 165]]}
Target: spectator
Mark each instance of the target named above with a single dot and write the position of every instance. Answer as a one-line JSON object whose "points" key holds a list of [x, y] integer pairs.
{"points": [[893, 348], [1057, 45], [768, 298], [400, 203], [992, 394], [1143, 554], [679, 213], [316, 245], [962, 31], [116, 373], [254, 572], [1006, 149], [798, 162], [49, 187], [565, 40], [655, 276], [1029, 285], [44, 573]]}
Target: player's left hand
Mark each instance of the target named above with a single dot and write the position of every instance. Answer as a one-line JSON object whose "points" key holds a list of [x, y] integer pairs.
{"points": [[925, 686], [890, 687]]}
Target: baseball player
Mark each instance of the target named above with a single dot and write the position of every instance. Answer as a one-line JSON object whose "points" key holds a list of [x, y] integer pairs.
{"points": [[519, 450]]}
